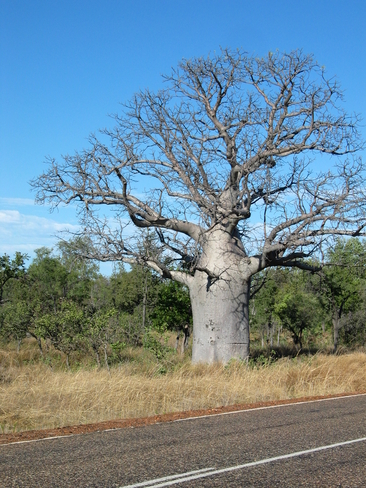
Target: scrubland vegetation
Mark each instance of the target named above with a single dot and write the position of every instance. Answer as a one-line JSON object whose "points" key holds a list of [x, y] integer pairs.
{"points": [[77, 347], [34, 396]]}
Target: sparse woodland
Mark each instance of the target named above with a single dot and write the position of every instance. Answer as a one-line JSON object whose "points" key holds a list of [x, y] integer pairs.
{"points": [[65, 305]]}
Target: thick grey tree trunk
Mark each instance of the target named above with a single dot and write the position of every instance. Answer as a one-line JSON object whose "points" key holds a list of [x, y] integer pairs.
{"points": [[219, 294], [221, 319]]}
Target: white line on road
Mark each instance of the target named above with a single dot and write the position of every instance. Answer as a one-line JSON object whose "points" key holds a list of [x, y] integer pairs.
{"points": [[166, 478], [183, 477]]}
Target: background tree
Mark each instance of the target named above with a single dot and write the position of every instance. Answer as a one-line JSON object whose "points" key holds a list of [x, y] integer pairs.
{"points": [[290, 300], [11, 269], [49, 280], [172, 311], [81, 272], [100, 330], [14, 310], [16, 321], [344, 281], [224, 152], [134, 295], [263, 317], [64, 328], [352, 331], [297, 308]]}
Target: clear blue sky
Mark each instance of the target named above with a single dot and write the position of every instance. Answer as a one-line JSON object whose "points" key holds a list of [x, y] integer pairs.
{"points": [[65, 65]]}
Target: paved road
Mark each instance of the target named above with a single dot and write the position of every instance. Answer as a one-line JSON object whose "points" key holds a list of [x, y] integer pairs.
{"points": [[254, 448]]}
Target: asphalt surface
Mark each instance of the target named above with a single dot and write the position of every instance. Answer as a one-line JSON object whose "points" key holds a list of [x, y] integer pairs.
{"points": [[215, 448]]}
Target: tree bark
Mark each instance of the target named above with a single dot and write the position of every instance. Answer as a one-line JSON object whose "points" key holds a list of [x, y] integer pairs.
{"points": [[144, 302], [278, 335], [186, 338], [177, 341], [221, 319], [335, 333], [96, 350], [39, 342], [106, 357], [271, 335]]}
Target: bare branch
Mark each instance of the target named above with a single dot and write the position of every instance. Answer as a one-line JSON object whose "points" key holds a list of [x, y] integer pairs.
{"points": [[227, 139]]}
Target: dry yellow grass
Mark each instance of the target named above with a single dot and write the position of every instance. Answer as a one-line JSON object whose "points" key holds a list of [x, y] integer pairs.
{"points": [[34, 397]]}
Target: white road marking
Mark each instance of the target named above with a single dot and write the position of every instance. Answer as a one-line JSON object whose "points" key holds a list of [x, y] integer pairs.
{"points": [[191, 418], [294, 404], [38, 440], [167, 478], [184, 477]]}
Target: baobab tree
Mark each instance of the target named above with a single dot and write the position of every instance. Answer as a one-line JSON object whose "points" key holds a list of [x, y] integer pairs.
{"points": [[219, 169]]}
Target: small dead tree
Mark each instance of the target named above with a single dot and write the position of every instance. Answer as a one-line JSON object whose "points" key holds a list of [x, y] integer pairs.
{"points": [[219, 163], [185, 339]]}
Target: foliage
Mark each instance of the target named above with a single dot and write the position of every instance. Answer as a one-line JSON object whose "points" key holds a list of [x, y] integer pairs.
{"points": [[157, 344], [172, 310], [263, 317], [16, 319], [344, 282], [297, 311], [64, 328], [101, 331], [289, 300], [11, 269], [345, 274]]}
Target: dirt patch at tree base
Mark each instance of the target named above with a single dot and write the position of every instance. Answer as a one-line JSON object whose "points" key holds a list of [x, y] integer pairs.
{"points": [[33, 435]]}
